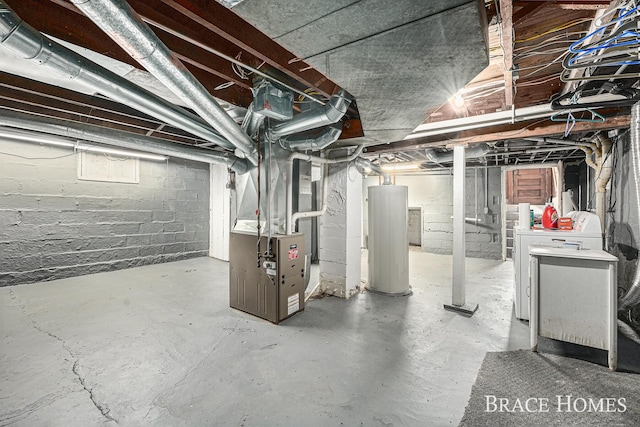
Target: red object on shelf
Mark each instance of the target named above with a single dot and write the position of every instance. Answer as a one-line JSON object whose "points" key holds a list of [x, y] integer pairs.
{"points": [[565, 223], [550, 217]]}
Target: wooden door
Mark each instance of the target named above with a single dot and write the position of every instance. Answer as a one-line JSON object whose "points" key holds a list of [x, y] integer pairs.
{"points": [[533, 186]]}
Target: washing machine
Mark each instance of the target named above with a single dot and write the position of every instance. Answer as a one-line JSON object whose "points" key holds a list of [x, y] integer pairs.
{"points": [[586, 234]]}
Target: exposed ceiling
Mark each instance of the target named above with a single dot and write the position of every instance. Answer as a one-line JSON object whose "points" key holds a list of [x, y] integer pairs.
{"points": [[424, 75]]}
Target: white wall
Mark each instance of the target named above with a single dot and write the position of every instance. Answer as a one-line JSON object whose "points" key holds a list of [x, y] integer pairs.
{"points": [[434, 195]]}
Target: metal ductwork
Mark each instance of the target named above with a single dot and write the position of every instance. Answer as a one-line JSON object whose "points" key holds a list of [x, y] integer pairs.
{"points": [[118, 138], [120, 22], [26, 41], [632, 297], [252, 122], [473, 152], [331, 113], [306, 142], [367, 168]]}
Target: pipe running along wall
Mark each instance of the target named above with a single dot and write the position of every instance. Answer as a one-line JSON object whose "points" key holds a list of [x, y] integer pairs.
{"points": [[605, 170], [29, 43], [120, 22], [292, 218], [118, 138]]}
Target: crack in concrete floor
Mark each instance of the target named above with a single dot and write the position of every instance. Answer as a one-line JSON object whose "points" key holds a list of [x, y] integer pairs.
{"points": [[103, 408], [152, 331]]}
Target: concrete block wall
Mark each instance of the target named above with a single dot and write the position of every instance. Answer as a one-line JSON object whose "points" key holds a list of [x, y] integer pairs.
{"points": [[53, 225], [434, 195]]}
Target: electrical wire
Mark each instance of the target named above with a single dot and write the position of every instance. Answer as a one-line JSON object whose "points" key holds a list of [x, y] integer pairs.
{"points": [[555, 29], [536, 82], [39, 158], [560, 38]]}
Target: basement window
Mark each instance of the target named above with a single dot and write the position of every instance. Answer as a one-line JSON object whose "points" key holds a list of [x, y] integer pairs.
{"points": [[108, 168]]}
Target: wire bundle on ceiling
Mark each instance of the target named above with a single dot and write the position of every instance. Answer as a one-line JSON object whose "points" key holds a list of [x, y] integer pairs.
{"points": [[605, 56], [613, 44]]}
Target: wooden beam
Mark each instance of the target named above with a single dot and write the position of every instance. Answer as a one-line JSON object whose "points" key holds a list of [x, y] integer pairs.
{"points": [[521, 130], [548, 129], [223, 22], [527, 10], [506, 24], [572, 4], [64, 21]]}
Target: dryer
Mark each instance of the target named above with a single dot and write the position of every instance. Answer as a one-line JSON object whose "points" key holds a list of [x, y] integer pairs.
{"points": [[586, 234]]}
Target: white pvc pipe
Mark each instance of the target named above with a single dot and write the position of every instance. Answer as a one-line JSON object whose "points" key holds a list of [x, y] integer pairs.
{"points": [[290, 222]]}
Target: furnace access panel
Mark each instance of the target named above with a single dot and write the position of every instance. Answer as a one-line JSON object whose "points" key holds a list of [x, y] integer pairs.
{"points": [[274, 290]]}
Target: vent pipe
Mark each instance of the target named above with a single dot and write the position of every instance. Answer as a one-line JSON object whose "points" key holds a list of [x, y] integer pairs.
{"points": [[331, 113], [28, 43], [605, 170], [367, 168], [303, 143], [293, 218], [118, 138], [475, 151], [120, 22]]}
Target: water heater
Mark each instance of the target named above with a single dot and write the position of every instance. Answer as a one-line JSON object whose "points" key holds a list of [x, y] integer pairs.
{"points": [[388, 242]]}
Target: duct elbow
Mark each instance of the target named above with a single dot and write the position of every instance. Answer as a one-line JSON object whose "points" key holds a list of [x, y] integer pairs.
{"points": [[326, 138], [365, 167], [605, 163], [337, 106], [332, 112]]}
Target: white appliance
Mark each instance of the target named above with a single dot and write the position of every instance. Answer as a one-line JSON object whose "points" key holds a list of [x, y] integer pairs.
{"points": [[586, 234], [574, 297]]}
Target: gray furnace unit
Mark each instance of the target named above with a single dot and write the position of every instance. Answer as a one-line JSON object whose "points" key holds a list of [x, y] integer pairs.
{"points": [[274, 289]]}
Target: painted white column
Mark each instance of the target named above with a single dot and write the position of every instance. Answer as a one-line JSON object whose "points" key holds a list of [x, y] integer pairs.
{"points": [[459, 242], [458, 277], [220, 212], [340, 233]]}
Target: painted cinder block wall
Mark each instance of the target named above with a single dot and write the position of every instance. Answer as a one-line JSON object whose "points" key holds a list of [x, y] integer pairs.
{"points": [[53, 225], [434, 195]]}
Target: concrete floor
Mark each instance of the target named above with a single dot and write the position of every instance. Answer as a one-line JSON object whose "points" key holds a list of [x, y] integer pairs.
{"points": [[159, 345]]}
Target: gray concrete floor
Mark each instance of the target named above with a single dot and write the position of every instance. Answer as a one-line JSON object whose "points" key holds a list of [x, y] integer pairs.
{"points": [[159, 345]]}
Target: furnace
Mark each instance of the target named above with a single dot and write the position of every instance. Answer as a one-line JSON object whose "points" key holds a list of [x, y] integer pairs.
{"points": [[267, 279]]}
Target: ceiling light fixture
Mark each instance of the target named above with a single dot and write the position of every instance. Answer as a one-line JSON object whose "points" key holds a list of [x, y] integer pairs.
{"points": [[458, 100], [391, 167], [78, 146]]}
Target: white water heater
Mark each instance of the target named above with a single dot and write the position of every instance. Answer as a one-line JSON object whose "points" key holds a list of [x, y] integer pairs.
{"points": [[388, 242]]}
